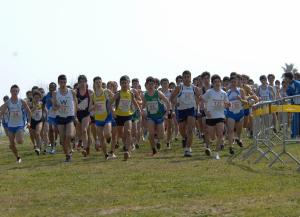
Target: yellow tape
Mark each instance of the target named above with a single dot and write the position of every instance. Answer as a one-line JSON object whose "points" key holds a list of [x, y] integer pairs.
{"points": [[276, 108]]}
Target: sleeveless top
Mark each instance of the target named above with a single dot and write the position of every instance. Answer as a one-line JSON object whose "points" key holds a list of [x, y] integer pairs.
{"points": [[186, 97], [66, 104], [155, 109], [16, 114]]}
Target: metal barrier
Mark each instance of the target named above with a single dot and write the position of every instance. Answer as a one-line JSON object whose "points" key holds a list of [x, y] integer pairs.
{"points": [[271, 129]]}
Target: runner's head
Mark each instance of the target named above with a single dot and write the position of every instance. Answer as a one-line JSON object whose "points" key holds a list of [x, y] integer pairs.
{"points": [[124, 82], [37, 96], [277, 83], [135, 83], [5, 98], [62, 81], [178, 79], [14, 90], [245, 79], [156, 83], [225, 82], [97, 83], [164, 83], [172, 85], [52, 87], [233, 82], [150, 83], [206, 78], [82, 81], [186, 77], [104, 85], [216, 81], [29, 94]]}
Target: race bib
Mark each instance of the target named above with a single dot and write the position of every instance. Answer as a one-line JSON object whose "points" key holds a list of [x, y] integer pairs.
{"points": [[235, 106], [217, 104], [83, 104], [124, 105], [64, 110], [15, 117], [100, 107], [37, 114], [152, 107]]}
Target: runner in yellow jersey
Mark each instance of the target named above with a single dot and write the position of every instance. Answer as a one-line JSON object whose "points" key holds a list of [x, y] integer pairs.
{"points": [[101, 102], [124, 99]]}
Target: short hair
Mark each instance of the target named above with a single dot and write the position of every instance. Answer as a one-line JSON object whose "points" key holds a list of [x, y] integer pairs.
{"points": [[204, 74], [97, 78], [215, 77], [186, 72], [277, 82], [62, 77], [36, 92], [135, 80], [34, 88], [178, 77], [232, 78], [233, 74], [271, 75], [288, 75], [245, 76], [14, 86], [82, 77], [164, 79], [262, 77], [52, 84], [124, 78], [226, 78], [157, 81], [5, 98], [172, 83], [150, 79]]}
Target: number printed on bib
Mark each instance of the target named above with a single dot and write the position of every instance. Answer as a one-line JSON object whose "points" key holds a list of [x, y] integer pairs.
{"points": [[100, 108], [15, 116], [152, 107], [124, 105], [83, 104]]}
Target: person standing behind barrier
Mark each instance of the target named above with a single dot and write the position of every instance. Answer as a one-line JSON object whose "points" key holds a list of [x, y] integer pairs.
{"points": [[292, 90], [186, 94], [215, 101], [265, 92], [64, 101], [16, 119], [235, 113]]}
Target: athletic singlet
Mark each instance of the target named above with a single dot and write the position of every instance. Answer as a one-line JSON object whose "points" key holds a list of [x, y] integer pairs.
{"points": [[214, 103], [265, 94], [37, 114], [83, 101], [124, 107], [186, 97], [16, 117], [66, 104], [47, 100], [236, 104], [101, 106], [155, 109]]}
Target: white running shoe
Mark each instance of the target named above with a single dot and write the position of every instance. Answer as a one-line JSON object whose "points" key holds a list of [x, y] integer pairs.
{"points": [[112, 156], [217, 156], [19, 160], [37, 151]]}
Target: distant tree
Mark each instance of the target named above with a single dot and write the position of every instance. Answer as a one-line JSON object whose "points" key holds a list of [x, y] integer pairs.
{"points": [[290, 68]]}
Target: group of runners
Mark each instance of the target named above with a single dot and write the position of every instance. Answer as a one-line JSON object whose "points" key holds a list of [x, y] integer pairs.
{"points": [[110, 118]]}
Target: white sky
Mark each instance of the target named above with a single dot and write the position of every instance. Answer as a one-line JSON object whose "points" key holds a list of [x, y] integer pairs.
{"points": [[40, 39]]}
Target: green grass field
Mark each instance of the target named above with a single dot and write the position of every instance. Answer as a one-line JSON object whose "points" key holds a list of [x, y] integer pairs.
{"points": [[166, 185]]}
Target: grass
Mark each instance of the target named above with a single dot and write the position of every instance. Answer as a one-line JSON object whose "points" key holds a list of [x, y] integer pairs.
{"points": [[166, 185]]}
